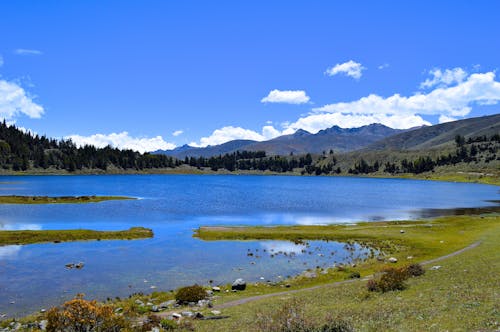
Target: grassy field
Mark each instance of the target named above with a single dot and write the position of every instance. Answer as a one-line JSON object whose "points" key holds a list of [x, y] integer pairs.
{"points": [[14, 199], [41, 236], [462, 295]]}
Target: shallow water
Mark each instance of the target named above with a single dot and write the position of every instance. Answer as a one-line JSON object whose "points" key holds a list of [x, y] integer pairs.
{"points": [[34, 276]]}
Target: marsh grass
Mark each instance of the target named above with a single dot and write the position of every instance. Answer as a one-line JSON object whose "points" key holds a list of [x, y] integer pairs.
{"points": [[14, 199], [42, 236]]}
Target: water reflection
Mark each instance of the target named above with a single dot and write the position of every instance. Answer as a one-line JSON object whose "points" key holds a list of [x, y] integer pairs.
{"points": [[9, 252], [283, 247], [432, 213]]}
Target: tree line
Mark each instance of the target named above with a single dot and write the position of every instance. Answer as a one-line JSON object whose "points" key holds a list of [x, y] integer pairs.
{"points": [[21, 151]]}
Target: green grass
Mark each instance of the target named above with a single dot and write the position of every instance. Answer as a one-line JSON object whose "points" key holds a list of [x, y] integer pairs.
{"points": [[461, 296], [41, 236], [14, 199]]}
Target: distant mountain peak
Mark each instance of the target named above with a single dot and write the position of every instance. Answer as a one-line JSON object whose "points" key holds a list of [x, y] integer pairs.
{"points": [[332, 130], [301, 132]]}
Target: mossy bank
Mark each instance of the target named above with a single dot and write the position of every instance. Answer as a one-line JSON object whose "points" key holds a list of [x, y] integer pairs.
{"points": [[56, 236], [15, 199]]}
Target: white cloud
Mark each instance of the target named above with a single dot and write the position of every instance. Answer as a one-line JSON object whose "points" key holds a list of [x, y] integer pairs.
{"points": [[19, 227], [404, 112], [1, 61], [316, 122], [444, 118], [383, 66], [177, 133], [444, 78], [24, 51], [123, 141], [230, 133], [286, 97], [350, 68], [14, 101]]}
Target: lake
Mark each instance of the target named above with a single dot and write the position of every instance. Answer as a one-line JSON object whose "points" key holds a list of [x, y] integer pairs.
{"points": [[34, 276]]}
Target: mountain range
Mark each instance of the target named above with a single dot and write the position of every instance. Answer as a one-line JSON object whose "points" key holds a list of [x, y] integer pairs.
{"points": [[300, 142], [372, 137]]}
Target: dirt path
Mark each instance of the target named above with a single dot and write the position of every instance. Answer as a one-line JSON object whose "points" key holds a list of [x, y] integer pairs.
{"points": [[338, 283]]}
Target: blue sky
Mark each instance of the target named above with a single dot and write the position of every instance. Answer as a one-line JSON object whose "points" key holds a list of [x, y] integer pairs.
{"points": [[133, 73]]}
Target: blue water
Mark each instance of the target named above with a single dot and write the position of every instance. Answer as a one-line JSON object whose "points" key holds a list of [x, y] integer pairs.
{"points": [[34, 276]]}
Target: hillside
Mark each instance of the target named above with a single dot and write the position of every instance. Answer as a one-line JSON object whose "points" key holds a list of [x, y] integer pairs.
{"points": [[439, 136]]}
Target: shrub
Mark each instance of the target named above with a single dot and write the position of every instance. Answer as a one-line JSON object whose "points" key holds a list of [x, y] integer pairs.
{"points": [[354, 275], [190, 294], [391, 279], [414, 270], [372, 285], [82, 315]]}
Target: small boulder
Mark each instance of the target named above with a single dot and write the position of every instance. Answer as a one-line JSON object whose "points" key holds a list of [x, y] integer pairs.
{"points": [[436, 267], [393, 260], [202, 303], [166, 304], [309, 275], [43, 325], [188, 314], [216, 289], [239, 284], [155, 308], [215, 312]]}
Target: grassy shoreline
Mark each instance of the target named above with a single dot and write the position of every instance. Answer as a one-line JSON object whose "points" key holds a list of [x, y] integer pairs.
{"points": [[16, 199], [488, 176], [420, 239], [55, 236]]}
